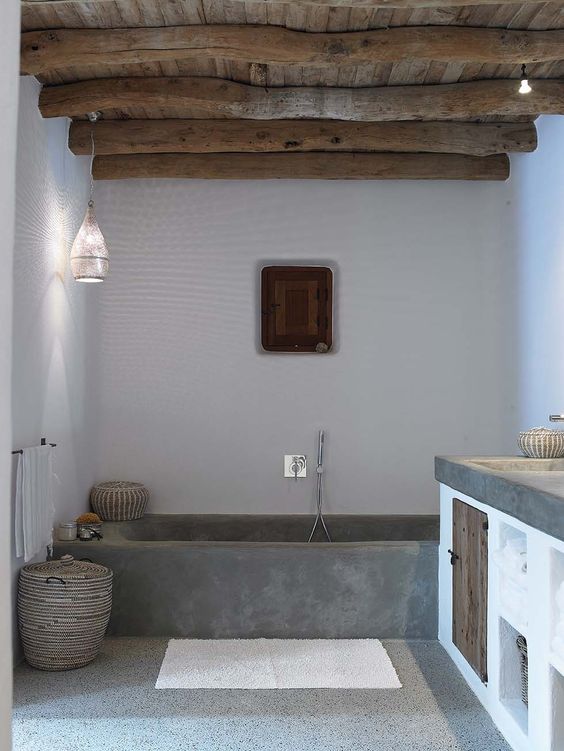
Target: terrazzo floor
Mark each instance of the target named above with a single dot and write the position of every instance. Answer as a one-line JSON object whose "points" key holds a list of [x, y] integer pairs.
{"points": [[112, 705]]}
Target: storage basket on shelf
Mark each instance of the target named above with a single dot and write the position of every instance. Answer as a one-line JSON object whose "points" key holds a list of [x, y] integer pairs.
{"points": [[63, 611], [542, 443], [119, 501], [522, 646]]}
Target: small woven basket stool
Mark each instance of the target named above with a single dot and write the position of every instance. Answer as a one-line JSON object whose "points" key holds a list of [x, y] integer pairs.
{"points": [[118, 501], [63, 611]]}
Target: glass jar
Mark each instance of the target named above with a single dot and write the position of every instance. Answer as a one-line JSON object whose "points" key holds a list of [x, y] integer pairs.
{"points": [[67, 531]]}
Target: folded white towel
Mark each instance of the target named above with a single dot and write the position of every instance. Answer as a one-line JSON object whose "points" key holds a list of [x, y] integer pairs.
{"points": [[515, 559], [516, 545], [34, 510], [512, 566], [514, 599], [511, 591]]}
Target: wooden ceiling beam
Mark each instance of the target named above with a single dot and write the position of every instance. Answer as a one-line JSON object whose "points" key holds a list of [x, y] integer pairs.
{"points": [[323, 3], [214, 98], [47, 50], [213, 136], [313, 166]]}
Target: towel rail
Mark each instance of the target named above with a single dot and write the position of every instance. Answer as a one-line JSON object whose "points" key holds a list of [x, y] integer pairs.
{"points": [[43, 443]]}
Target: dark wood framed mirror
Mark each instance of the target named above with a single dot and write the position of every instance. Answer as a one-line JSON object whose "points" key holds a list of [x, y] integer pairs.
{"points": [[297, 308]]}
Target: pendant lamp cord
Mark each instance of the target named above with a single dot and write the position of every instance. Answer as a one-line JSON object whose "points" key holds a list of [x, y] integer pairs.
{"points": [[91, 201]]}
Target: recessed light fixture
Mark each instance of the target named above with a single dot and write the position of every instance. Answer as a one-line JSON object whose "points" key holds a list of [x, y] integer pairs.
{"points": [[89, 255], [524, 88]]}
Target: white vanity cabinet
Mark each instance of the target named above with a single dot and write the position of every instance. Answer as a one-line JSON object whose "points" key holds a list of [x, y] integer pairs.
{"points": [[523, 604]]}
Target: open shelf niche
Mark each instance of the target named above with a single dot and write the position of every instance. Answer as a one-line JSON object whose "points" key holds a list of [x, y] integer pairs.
{"points": [[510, 675], [557, 710], [557, 610], [512, 583]]}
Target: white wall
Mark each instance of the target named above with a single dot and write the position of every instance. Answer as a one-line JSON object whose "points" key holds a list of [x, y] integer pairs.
{"points": [[9, 64], [52, 314], [538, 216], [424, 364]]}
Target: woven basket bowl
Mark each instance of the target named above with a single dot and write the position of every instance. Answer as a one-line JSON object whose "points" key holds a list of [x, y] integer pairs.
{"points": [[63, 612], [119, 501], [541, 443]]}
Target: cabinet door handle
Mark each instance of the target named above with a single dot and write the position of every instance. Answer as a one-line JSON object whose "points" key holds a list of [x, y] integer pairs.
{"points": [[453, 557]]}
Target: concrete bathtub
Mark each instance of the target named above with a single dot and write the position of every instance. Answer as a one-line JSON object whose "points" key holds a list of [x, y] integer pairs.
{"points": [[216, 576]]}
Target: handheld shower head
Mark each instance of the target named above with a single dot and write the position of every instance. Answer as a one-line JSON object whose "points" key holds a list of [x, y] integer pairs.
{"points": [[320, 442], [319, 518]]}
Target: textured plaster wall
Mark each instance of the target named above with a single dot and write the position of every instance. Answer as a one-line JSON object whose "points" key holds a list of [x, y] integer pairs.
{"points": [[9, 64], [422, 363], [52, 315], [538, 228]]}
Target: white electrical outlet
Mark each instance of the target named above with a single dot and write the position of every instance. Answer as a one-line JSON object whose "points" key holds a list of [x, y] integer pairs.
{"points": [[295, 465]]}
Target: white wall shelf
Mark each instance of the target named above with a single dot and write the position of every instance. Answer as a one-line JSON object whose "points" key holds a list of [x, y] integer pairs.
{"points": [[513, 620], [519, 714]]}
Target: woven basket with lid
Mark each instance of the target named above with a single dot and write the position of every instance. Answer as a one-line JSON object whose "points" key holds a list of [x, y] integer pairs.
{"points": [[63, 612], [119, 501], [542, 443]]}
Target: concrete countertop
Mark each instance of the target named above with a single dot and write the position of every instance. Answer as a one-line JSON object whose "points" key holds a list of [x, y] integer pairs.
{"points": [[531, 490]]}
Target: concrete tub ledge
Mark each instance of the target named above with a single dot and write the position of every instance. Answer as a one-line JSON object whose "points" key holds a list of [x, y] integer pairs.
{"points": [[379, 588]]}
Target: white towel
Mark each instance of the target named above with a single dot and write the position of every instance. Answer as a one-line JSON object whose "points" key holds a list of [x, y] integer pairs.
{"points": [[514, 558], [513, 565], [34, 509], [514, 599], [516, 545]]}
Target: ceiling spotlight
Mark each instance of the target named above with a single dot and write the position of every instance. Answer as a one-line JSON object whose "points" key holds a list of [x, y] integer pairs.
{"points": [[524, 88]]}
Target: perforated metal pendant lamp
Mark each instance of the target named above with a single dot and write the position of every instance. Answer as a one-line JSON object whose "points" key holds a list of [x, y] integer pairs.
{"points": [[89, 258], [89, 254]]}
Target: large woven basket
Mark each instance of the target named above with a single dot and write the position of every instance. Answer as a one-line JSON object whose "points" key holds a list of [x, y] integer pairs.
{"points": [[119, 501], [63, 612], [542, 443]]}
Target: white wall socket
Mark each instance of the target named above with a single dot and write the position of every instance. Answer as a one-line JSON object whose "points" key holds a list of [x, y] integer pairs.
{"points": [[291, 461]]}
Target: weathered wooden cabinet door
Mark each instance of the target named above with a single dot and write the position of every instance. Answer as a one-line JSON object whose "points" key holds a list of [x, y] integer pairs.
{"points": [[470, 585]]}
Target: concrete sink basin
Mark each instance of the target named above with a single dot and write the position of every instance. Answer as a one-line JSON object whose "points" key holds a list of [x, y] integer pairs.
{"points": [[520, 464]]}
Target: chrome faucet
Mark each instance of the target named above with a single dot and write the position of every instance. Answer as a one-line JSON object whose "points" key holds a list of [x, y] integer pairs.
{"points": [[556, 418]]}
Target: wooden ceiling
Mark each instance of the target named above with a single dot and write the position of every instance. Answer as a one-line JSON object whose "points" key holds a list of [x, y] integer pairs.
{"points": [[357, 89]]}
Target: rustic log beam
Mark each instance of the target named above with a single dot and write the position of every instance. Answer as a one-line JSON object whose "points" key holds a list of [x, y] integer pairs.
{"points": [[327, 3], [313, 166], [214, 98], [209, 136], [45, 50]]}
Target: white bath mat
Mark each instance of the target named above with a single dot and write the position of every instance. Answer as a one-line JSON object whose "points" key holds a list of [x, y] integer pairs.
{"points": [[276, 663]]}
